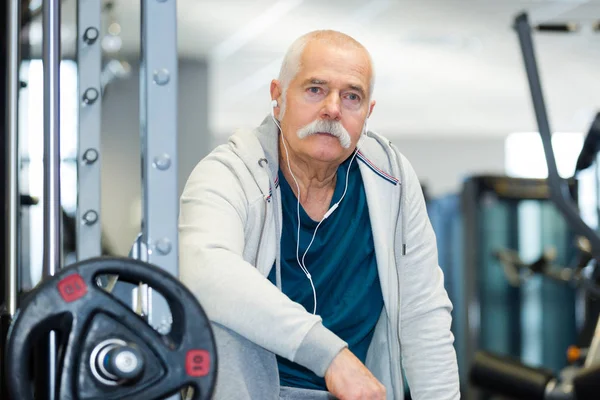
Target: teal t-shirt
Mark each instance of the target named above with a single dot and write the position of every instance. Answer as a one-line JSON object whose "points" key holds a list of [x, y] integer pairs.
{"points": [[341, 261]]}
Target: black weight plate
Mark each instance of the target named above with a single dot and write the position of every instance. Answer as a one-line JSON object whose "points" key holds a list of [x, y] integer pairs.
{"points": [[100, 329], [68, 302]]}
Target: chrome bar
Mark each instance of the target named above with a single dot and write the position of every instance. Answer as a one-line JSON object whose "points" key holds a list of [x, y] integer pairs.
{"points": [[52, 208], [12, 158]]}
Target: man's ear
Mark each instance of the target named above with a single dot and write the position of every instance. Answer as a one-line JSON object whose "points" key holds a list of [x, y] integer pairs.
{"points": [[276, 91], [371, 108]]}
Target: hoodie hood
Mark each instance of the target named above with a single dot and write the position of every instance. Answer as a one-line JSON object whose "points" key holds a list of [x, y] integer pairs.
{"points": [[259, 156]]}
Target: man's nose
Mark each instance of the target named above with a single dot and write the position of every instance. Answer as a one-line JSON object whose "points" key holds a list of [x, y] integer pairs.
{"points": [[332, 107]]}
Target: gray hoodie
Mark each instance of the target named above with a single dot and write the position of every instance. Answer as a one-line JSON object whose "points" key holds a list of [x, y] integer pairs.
{"points": [[230, 227]]}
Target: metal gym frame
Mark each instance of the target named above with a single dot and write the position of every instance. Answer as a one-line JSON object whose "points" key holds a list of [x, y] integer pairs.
{"points": [[509, 377], [559, 191], [158, 135], [12, 153], [12, 31], [89, 59]]}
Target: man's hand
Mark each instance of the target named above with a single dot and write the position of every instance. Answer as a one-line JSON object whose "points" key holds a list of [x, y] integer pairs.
{"points": [[348, 379]]}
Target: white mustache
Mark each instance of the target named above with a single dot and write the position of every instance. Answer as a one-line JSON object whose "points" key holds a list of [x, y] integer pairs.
{"points": [[334, 128]]}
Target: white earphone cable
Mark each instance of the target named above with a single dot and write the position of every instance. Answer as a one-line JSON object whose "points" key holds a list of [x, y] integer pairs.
{"points": [[302, 264]]}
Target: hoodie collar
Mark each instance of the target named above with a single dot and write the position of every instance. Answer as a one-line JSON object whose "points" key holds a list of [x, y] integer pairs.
{"points": [[373, 148], [268, 136]]}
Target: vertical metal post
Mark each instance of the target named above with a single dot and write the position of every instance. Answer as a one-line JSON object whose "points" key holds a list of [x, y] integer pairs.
{"points": [[11, 169], [89, 59], [12, 158], [52, 208], [158, 130]]}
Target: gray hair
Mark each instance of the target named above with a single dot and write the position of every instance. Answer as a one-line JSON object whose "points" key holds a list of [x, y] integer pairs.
{"points": [[292, 61]]}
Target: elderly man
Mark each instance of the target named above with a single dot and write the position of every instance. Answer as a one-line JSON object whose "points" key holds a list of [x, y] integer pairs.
{"points": [[308, 244]]}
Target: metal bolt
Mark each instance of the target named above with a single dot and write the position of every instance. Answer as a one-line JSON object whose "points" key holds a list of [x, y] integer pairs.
{"points": [[164, 326], [126, 361], [90, 35], [163, 246], [162, 76], [162, 162], [90, 156], [90, 96], [90, 217]]}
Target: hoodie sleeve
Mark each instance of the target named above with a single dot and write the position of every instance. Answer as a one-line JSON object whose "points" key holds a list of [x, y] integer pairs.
{"points": [[213, 213], [428, 355]]}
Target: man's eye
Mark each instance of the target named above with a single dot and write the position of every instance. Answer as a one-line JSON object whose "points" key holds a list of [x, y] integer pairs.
{"points": [[314, 90]]}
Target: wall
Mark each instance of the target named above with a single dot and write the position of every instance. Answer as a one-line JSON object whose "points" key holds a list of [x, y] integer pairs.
{"points": [[121, 164], [443, 163]]}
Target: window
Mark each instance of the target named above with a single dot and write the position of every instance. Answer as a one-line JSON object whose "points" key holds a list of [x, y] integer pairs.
{"points": [[525, 158]]}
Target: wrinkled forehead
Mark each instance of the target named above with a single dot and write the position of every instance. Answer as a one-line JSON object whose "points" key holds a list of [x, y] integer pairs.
{"points": [[345, 60]]}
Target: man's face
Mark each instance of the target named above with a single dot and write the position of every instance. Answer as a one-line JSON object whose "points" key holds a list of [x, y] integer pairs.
{"points": [[332, 85]]}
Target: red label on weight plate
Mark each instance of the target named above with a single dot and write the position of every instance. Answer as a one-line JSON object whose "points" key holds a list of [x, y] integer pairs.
{"points": [[197, 363], [72, 288]]}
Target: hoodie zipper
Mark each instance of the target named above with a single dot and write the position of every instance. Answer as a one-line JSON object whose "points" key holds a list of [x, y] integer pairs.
{"points": [[398, 259]]}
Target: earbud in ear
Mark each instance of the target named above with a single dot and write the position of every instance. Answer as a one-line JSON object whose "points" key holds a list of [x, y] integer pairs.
{"points": [[274, 104], [365, 127]]}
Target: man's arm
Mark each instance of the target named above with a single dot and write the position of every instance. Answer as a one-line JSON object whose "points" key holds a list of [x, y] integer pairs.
{"points": [[428, 354], [213, 213]]}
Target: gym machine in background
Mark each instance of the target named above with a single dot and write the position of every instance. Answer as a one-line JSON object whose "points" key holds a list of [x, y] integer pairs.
{"points": [[515, 213], [507, 376], [85, 341], [489, 214]]}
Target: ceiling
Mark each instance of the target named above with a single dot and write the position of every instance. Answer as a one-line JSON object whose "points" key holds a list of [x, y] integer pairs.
{"points": [[443, 67]]}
